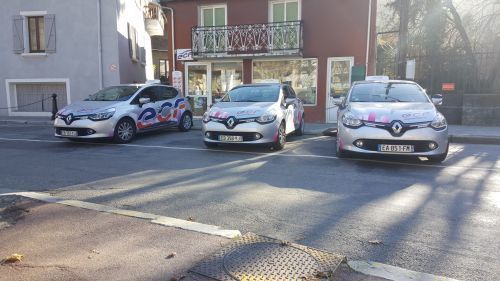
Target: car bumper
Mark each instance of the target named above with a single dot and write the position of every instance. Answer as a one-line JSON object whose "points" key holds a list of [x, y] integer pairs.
{"points": [[85, 129], [419, 138], [252, 133]]}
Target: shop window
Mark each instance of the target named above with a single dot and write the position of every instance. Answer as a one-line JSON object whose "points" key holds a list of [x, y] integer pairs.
{"points": [[225, 76], [300, 74]]}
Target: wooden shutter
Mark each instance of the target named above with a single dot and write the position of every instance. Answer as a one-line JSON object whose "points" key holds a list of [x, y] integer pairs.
{"points": [[18, 36], [50, 33]]}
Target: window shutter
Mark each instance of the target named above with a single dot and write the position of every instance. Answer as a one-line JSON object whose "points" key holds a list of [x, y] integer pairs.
{"points": [[50, 33], [17, 28]]}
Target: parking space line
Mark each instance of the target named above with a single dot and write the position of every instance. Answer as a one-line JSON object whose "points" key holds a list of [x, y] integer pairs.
{"points": [[280, 153]]}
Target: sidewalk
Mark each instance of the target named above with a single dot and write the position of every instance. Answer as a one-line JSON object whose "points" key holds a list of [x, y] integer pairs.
{"points": [[73, 240], [458, 133]]}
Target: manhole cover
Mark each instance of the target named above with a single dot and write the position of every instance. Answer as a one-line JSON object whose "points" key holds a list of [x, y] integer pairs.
{"points": [[260, 258]]}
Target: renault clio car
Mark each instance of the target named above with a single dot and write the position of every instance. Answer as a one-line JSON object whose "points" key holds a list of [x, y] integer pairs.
{"points": [[391, 117], [120, 112], [254, 114]]}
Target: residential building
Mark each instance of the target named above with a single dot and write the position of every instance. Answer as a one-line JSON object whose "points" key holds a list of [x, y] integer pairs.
{"points": [[72, 48], [317, 46]]}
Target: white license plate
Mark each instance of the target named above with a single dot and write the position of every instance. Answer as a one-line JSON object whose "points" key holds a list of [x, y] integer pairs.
{"points": [[230, 138], [69, 133], [396, 148]]}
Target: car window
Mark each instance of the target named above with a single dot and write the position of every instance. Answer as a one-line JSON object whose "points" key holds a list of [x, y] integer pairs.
{"points": [[145, 93], [387, 92], [165, 93], [115, 93], [264, 93]]}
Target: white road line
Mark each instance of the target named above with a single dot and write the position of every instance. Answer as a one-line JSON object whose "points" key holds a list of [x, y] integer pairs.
{"points": [[281, 154], [156, 219]]}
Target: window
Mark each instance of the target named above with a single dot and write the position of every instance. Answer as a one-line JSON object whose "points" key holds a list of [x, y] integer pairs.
{"points": [[213, 16], [165, 93], [163, 70], [213, 40], [300, 74], [133, 43], [34, 32], [286, 10]]}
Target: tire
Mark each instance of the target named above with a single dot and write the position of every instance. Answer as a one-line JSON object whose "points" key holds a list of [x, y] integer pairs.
{"points": [[438, 158], [300, 129], [281, 141], [210, 144], [124, 131], [186, 122]]}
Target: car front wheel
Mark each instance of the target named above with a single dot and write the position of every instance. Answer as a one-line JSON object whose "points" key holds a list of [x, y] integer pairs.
{"points": [[124, 131]]}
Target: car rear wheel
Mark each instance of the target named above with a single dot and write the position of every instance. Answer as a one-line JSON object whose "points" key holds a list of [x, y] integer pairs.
{"points": [[300, 129], [124, 131], [186, 122], [281, 141]]}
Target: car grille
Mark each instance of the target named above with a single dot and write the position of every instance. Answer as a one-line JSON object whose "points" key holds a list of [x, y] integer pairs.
{"points": [[246, 135], [81, 131], [419, 146]]}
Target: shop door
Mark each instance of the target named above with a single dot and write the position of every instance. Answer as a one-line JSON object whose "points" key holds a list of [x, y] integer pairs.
{"points": [[339, 74], [198, 86]]}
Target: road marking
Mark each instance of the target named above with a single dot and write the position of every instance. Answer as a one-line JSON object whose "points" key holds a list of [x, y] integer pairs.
{"points": [[280, 153], [392, 272], [156, 219]]}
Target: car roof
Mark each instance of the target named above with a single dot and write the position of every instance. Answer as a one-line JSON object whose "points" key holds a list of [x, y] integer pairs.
{"points": [[385, 82]]}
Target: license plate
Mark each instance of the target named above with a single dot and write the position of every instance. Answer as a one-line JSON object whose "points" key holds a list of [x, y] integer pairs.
{"points": [[395, 148], [69, 133], [230, 138]]}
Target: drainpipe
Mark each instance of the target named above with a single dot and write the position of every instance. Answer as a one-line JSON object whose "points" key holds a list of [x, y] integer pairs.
{"points": [[99, 44], [368, 35], [172, 35]]}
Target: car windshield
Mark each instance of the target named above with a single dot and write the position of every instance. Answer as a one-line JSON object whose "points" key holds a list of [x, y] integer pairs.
{"points": [[267, 93], [387, 92], [116, 93]]}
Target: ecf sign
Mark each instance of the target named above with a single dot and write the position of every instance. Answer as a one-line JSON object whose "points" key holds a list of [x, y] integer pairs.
{"points": [[184, 54]]}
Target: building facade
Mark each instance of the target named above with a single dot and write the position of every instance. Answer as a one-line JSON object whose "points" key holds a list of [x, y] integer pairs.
{"points": [[317, 46], [72, 48]]}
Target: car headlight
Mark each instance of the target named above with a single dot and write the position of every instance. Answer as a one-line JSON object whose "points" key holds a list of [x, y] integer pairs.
{"points": [[103, 115], [439, 122], [206, 117], [349, 120], [266, 118]]}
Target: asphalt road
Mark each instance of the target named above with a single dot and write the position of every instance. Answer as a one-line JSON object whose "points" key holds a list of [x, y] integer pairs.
{"points": [[442, 219]]}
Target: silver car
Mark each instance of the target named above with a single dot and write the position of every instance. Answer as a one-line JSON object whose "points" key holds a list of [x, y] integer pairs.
{"points": [[119, 112], [255, 114], [391, 117]]}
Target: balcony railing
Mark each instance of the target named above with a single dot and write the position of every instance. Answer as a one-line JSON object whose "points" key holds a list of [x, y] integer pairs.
{"points": [[155, 22], [269, 39]]}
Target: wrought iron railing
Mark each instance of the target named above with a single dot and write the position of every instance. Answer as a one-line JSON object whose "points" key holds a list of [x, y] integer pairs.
{"points": [[269, 39]]}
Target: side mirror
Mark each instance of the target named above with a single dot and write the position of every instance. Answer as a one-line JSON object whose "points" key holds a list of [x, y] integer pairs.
{"points": [[289, 102], [437, 99], [143, 101], [339, 102]]}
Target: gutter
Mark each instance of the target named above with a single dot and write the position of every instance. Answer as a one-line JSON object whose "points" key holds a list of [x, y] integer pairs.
{"points": [[99, 44], [172, 35]]}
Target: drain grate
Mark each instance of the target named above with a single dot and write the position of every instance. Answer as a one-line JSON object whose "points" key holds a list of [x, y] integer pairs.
{"points": [[260, 258]]}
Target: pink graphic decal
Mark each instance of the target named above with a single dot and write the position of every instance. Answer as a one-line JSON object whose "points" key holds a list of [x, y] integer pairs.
{"points": [[341, 144], [384, 119], [372, 117], [224, 115]]}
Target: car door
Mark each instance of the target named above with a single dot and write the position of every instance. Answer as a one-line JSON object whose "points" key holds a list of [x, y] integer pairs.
{"points": [[291, 107], [166, 105], [145, 114]]}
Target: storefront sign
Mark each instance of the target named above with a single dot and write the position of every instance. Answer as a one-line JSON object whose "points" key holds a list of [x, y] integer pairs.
{"points": [[184, 54], [177, 80], [448, 87]]}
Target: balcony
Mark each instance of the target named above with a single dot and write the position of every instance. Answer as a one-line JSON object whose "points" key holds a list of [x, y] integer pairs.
{"points": [[270, 39], [154, 19]]}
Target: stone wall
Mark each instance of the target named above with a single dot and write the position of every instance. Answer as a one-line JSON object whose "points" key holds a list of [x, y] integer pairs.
{"points": [[472, 109]]}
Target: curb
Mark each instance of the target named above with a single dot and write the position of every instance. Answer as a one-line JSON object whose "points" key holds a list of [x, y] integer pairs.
{"points": [[156, 219], [474, 139], [392, 272], [27, 122]]}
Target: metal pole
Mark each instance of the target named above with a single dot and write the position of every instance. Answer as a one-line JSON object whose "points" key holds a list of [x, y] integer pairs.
{"points": [[403, 37], [54, 106]]}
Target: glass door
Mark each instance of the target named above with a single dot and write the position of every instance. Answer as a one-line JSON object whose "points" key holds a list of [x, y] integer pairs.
{"points": [[339, 74], [198, 83]]}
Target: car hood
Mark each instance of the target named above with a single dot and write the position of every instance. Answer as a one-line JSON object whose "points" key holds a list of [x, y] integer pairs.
{"points": [[384, 112], [240, 109], [87, 107]]}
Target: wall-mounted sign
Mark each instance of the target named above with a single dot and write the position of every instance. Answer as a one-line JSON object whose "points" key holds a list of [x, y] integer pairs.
{"points": [[177, 81], [410, 69], [447, 87], [184, 54], [113, 67]]}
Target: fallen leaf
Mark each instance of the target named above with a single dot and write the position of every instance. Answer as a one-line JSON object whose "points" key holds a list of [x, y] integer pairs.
{"points": [[13, 258], [375, 242], [171, 255], [190, 219], [94, 252], [323, 275], [285, 243]]}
